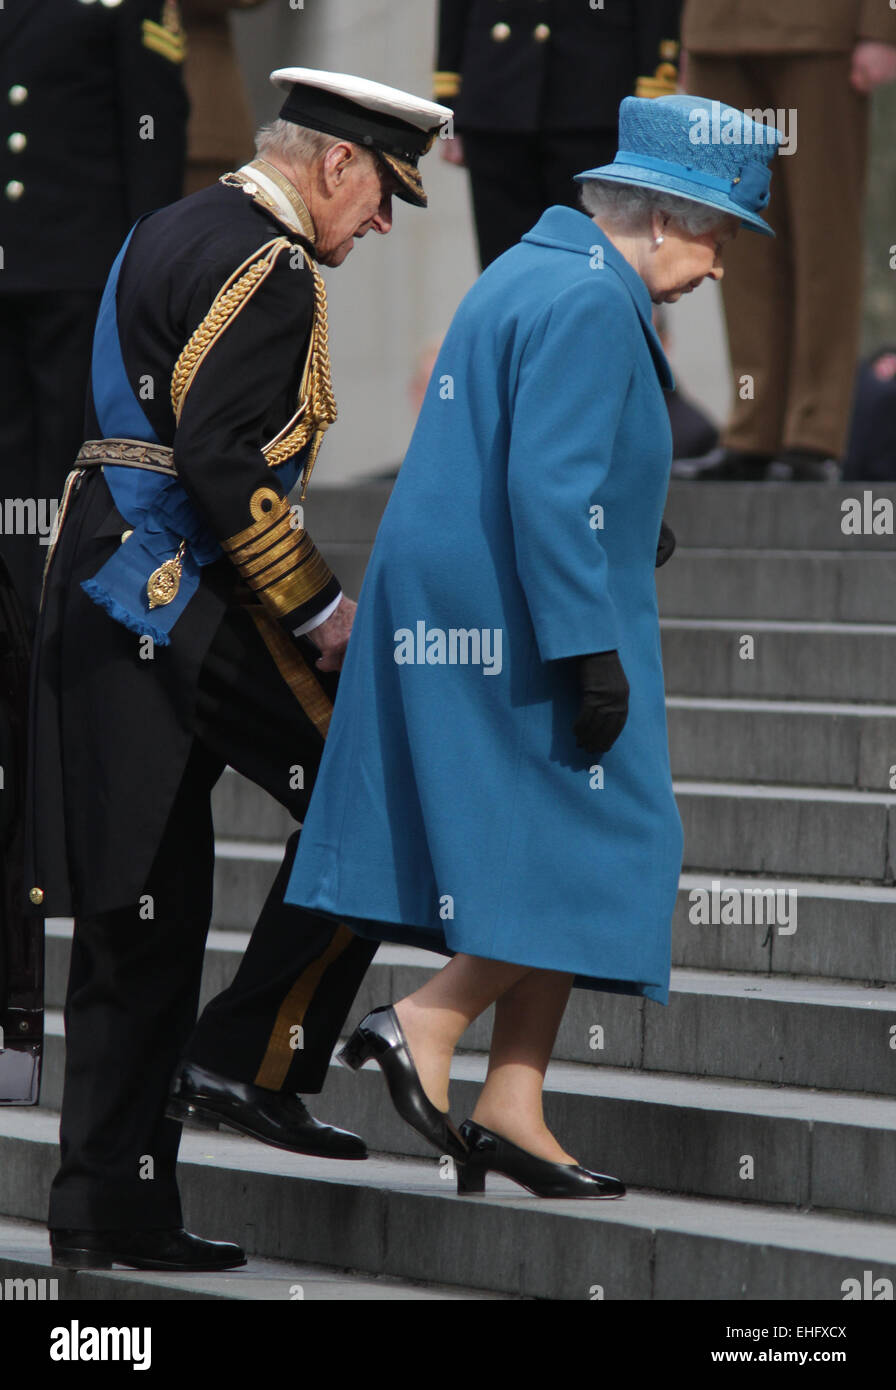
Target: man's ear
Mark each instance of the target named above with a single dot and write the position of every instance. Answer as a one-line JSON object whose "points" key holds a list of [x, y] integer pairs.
{"points": [[335, 165]]}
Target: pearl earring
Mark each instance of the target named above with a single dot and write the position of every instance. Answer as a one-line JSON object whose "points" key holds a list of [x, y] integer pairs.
{"points": [[658, 240]]}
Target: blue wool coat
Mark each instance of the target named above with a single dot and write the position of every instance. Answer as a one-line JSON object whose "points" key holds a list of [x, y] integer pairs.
{"points": [[453, 809]]}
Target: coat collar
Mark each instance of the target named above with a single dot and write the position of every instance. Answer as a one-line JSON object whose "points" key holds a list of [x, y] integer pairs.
{"points": [[566, 229]]}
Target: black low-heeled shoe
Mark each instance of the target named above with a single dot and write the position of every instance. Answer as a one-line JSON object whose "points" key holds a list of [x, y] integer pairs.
{"points": [[380, 1036], [489, 1152]]}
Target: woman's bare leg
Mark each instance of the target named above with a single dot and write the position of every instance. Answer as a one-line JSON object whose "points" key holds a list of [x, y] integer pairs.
{"points": [[530, 1005], [434, 1016], [527, 1017]]}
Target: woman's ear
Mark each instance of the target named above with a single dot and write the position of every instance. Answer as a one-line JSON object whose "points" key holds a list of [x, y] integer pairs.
{"points": [[659, 221]]}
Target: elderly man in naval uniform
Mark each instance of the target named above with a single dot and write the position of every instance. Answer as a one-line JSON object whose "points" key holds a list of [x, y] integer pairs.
{"points": [[188, 623]]}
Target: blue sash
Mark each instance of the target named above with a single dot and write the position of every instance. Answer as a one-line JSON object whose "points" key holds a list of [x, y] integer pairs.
{"points": [[156, 507]]}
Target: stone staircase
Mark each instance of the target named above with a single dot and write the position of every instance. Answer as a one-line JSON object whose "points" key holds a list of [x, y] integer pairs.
{"points": [[754, 1119]]}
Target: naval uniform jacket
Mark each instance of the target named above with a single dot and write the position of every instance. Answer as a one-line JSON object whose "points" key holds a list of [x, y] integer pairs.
{"points": [[94, 133], [525, 65], [110, 728]]}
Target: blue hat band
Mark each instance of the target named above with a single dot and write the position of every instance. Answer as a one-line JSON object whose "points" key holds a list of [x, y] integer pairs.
{"points": [[750, 190]]}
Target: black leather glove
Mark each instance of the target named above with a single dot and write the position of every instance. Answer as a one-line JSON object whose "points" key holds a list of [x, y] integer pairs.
{"points": [[665, 545], [604, 702]]}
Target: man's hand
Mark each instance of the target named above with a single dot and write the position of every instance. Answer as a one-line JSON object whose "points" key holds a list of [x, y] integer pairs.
{"points": [[452, 150], [873, 64], [604, 702], [333, 634]]}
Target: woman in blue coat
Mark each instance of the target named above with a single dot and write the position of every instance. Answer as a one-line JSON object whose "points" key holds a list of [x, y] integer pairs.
{"points": [[496, 782]]}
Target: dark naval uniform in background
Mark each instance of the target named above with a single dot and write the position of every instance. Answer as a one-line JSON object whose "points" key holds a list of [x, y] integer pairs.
{"points": [[536, 87], [94, 135], [221, 322]]}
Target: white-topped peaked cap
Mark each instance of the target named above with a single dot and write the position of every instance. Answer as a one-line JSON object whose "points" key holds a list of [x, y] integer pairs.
{"points": [[396, 125]]}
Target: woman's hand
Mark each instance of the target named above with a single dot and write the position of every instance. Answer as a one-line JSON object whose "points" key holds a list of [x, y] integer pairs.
{"points": [[873, 64], [604, 702]]}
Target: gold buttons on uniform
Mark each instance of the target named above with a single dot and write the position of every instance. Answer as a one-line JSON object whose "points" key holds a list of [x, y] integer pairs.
{"points": [[36, 896], [500, 32], [17, 141], [541, 33], [17, 95], [125, 535], [14, 190]]}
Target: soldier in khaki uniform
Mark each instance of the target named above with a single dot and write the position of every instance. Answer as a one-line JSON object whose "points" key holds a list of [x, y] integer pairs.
{"points": [[220, 133], [793, 305]]}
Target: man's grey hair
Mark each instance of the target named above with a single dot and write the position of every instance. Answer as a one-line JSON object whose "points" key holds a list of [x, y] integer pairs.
{"points": [[632, 207], [296, 144]]}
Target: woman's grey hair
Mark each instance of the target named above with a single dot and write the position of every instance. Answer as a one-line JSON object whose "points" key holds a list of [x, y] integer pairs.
{"points": [[294, 143], [631, 207]]}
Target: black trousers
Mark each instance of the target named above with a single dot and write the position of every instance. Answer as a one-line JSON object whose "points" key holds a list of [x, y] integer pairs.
{"points": [[133, 988], [514, 177], [45, 345]]}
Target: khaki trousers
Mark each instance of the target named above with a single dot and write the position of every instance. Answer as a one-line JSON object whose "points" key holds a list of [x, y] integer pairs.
{"points": [[793, 303]]}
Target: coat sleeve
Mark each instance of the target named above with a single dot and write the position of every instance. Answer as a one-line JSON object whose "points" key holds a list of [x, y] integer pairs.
{"points": [[452, 31], [152, 103], [250, 367], [572, 386]]}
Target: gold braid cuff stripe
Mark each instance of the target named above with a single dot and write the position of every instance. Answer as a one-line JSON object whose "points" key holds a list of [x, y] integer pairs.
{"points": [[297, 588], [279, 562]]}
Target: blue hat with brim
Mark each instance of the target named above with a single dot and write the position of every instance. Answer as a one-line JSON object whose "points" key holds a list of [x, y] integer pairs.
{"points": [[698, 149]]}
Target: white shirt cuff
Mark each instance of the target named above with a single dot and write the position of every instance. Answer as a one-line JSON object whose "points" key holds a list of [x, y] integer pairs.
{"points": [[318, 618]]}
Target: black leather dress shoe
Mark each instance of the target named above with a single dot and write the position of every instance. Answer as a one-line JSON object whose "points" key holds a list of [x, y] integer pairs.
{"points": [[488, 1152], [380, 1036], [805, 466], [271, 1116], [174, 1249], [735, 466]]}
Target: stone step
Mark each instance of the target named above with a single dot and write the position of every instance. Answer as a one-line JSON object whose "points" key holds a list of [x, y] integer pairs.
{"points": [[25, 1256], [768, 516], [803, 743], [811, 586], [781, 1030], [402, 1219], [689, 1135], [772, 516], [738, 827], [729, 826], [850, 662], [844, 930]]}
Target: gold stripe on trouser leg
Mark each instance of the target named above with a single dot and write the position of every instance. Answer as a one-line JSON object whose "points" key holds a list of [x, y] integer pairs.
{"points": [[279, 1054], [295, 671]]}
